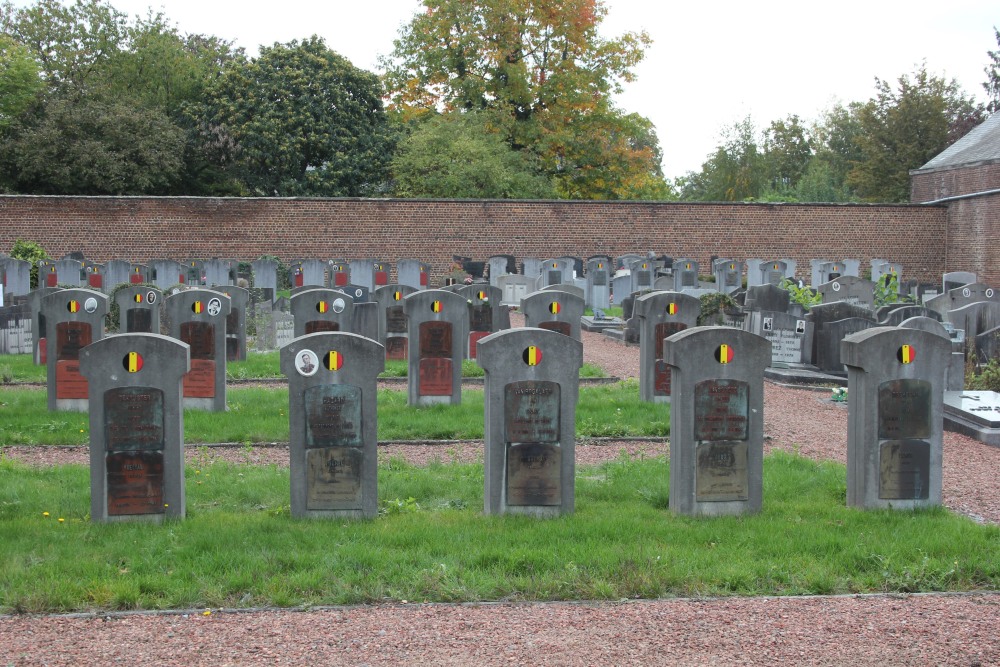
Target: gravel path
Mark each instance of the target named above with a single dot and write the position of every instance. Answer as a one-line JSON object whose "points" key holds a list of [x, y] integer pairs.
{"points": [[867, 630]]}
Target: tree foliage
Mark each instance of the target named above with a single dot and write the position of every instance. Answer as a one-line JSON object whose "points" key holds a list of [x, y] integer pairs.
{"points": [[734, 172], [299, 120], [992, 70], [19, 81]]}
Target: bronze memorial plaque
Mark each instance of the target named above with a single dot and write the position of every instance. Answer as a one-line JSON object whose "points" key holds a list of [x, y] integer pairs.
{"points": [[201, 337], [434, 377], [559, 327], [721, 473], [533, 474], [531, 411], [904, 470], [333, 415], [721, 410], [396, 347], [133, 419], [135, 482], [317, 326], [904, 409], [435, 340], [395, 319], [333, 480], [139, 320]]}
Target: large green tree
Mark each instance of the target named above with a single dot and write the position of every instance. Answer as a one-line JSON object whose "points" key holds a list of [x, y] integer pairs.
{"points": [[734, 172], [787, 151], [19, 81], [548, 76], [299, 120]]}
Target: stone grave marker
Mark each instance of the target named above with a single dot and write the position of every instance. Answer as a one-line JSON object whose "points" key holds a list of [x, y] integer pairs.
{"points": [[47, 276], [74, 318], [392, 329], [167, 273], [641, 273], [850, 289], [71, 272], [598, 291], [15, 276], [333, 424], [500, 265], [767, 297], [685, 274], [882, 270], [321, 309], [359, 293], [194, 273], [277, 331], [717, 420], [139, 309], [895, 407], [39, 346], [514, 287], [340, 273], [896, 315], [556, 271], [973, 413], [775, 271], [531, 267], [437, 328], [790, 336], [382, 272], [115, 273], [621, 284], [413, 273], [531, 389], [198, 317], [660, 315], [625, 261], [956, 279], [975, 318], [555, 310], [564, 287], [728, 275], [849, 318], [136, 427], [955, 373], [308, 273], [219, 272], [962, 296], [236, 321], [486, 314], [265, 277], [363, 273], [93, 276]]}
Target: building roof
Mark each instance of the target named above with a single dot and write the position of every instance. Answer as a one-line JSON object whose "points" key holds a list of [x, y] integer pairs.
{"points": [[982, 144]]}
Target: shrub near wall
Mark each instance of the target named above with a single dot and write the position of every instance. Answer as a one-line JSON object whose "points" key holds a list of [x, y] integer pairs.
{"points": [[143, 228]]}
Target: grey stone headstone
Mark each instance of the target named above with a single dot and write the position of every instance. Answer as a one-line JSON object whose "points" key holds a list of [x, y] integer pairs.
{"points": [[790, 336], [47, 275], [392, 329], [413, 273], [625, 261], [975, 318], [219, 272], [685, 274], [15, 276], [641, 274], [825, 352], [556, 310], [895, 316], [500, 265], [515, 287], [556, 271], [955, 373], [38, 324], [322, 309], [882, 269], [962, 296], [278, 331], [621, 288], [486, 314], [850, 289], [115, 273], [438, 328], [333, 424], [167, 273], [365, 319], [340, 273], [363, 273], [74, 319], [136, 427], [531, 389], [531, 267], [598, 289], [382, 272], [139, 309], [660, 315], [775, 271], [767, 297], [954, 279], [754, 274], [728, 275], [236, 324], [93, 276], [198, 317], [308, 273], [564, 287], [716, 420], [194, 273], [895, 407], [265, 276], [359, 293], [71, 272]]}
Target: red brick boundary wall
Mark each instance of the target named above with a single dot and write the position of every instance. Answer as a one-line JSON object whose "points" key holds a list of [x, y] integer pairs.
{"points": [[142, 228]]}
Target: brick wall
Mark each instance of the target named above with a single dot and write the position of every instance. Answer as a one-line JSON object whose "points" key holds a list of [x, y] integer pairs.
{"points": [[974, 236], [937, 184], [143, 228]]}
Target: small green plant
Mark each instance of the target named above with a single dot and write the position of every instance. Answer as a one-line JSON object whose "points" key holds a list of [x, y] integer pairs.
{"points": [[985, 377], [713, 305], [887, 291], [839, 395], [29, 251], [6, 374], [805, 296]]}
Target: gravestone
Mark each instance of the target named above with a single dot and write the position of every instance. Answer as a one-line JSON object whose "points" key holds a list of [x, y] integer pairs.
{"points": [[363, 273], [831, 322], [621, 285], [194, 273], [340, 273], [93, 276], [598, 291], [139, 309], [623, 262], [954, 379], [437, 328], [333, 424], [895, 407], [71, 272], [554, 310], [392, 329], [823, 271], [278, 329], [198, 317], [307, 273], [382, 273], [660, 315], [359, 293], [167, 273], [413, 273], [15, 276], [641, 273], [882, 270], [486, 314], [960, 297], [365, 319], [39, 344], [955, 279], [728, 275], [850, 289], [685, 274], [531, 267], [974, 319], [236, 322], [767, 297], [265, 277], [115, 273], [790, 336], [500, 265], [775, 271], [556, 271], [716, 420], [531, 389], [514, 287], [136, 427], [74, 318], [564, 287], [219, 272], [322, 309], [896, 315]]}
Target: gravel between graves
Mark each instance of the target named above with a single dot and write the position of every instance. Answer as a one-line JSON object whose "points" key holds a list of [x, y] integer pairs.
{"points": [[884, 630]]}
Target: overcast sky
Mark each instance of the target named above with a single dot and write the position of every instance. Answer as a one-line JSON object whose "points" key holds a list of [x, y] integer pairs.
{"points": [[711, 64]]}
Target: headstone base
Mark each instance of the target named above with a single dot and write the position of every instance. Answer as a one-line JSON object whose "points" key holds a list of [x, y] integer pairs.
{"points": [[199, 403], [803, 374], [973, 413], [588, 323], [73, 404]]}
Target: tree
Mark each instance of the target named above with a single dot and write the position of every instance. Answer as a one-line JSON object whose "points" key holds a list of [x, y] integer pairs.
{"points": [[903, 127], [734, 172], [992, 70], [456, 155], [19, 81], [787, 152], [298, 120]]}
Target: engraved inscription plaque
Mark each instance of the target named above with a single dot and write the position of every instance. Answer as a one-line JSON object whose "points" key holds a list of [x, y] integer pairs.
{"points": [[531, 411], [71, 337], [721, 410], [533, 474], [333, 479], [661, 370], [199, 382], [722, 473], [559, 327], [600, 278], [139, 320], [317, 326], [201, 337], [904, 409], [395, 319], [333, 415], [435, 377], [474, 338], [133, 419], [481, 318], [904, 470], [396, 347], [435, 339], [135, 483]]}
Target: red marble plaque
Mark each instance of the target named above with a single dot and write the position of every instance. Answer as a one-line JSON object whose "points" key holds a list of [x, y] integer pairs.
{"points": [[200, 381], [317, 326], [396, 347], [70, 383], [435, 377], [135, 483], [474, 338], [558, 327]]}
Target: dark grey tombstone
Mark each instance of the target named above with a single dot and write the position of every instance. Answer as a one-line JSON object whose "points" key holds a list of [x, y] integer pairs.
{"points": [[363, 273], [626, 260], [15, 276], [340, 273], [974, 319], [531, 389], [93, 276], [194, 273], [564, 287], [265, 277], [774, 272], [955, 279], [825, 352], [767, 297], [883, 269], [198, 317], [850, 289], [486, 314], [413, 273], [895, 407], [955, 373], [308, 273], [116, 272], [716, 420], [139, 309], [382, 271], [365, 319], [660, 315], [961, 297], [359, 293], [641, 274], [219, 272], [438, 328], [515, 287], [556, 271], [392, 330], [894, 317], [236, 322], [755, 276], [47, 276], [728, 275], [790, 336], [71, 272], [598, 291], [167, 273], [322, 309], [39, 345], [74, 318], [555, 310], [136, 427], [333, 424], [685, 274]]}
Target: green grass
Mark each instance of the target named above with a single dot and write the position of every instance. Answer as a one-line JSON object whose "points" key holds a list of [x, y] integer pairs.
{"points": [[261, 415], [239, 547], [20, 368]]}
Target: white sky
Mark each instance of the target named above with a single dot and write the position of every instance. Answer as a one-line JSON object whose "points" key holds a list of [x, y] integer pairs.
{"points": [[711, 63]]}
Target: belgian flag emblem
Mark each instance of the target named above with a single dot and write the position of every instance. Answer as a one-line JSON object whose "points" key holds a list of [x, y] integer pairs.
{"points": [[132, 362], [671, 309], [137, 298], [436, 306], [687, 266], [600, 265], [532, 355], [322, 307], [645, 266], [554, 307], [334, 360], [481, 295], [724, 354], [198, 307], [732, 267], [906, 354], [73, 306], [397, 296], [775, 267]]}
